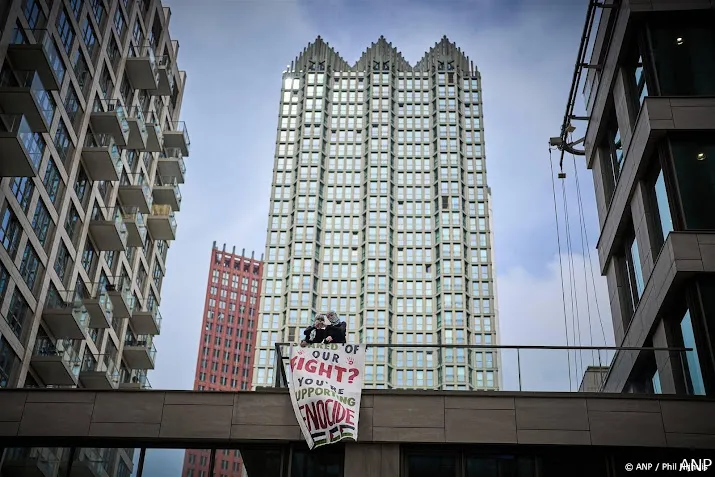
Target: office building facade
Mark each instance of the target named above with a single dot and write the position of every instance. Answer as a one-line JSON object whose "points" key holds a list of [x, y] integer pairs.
{"points": [[650, 146], [380, 210], [227, 337], [91, 158]]}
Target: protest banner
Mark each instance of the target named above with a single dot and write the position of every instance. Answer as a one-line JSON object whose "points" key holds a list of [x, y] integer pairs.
{"points": [[325, 385]]}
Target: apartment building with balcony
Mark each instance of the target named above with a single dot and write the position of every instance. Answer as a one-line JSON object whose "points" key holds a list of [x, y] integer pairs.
{"points": [[228, 334], [649, 142], [91, 159], [380, 210]]}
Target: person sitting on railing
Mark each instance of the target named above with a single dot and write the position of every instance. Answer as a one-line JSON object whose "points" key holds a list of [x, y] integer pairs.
{"points": [[317, 332], [337, 330]]}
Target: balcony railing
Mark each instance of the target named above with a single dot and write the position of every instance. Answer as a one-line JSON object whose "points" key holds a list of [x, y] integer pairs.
{"points": [[41, 56], [99, 373], [26, 460], [178, 136], [14, 98], [19, 146], [486, 367], [134, 379]]}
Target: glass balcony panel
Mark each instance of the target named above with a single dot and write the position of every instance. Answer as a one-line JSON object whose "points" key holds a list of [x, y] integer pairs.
{"points": [[162, 223], [20, 148], [99, 373], [155, 137], [136, 196], [166, 192], [39, 53], [178, 136], [56, 363], [108, 230], [68, 320], [171, 165], [22, 93], [146, 322], [138, 133], [111, 118], [139, 352], [102, 158], [121, 296], [99, 308], [141, 68], [136, 228], [134, 379]]}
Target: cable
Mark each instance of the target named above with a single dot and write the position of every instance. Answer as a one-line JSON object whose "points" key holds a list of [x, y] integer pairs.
{"points": [[561, 267], [575, 318], [588, 251]]}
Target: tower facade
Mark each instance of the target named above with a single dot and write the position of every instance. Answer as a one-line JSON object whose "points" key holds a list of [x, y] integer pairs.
{"points": [[380, 210], [91, 160], [649, 142], [226, 346]]}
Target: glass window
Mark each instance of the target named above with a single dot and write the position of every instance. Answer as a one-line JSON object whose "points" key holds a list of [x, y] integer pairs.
{"points": [[62, 140], [41, 222], [10, 232], [8, 361], [694, 160], [82, 185], [637, 270], [662, 217], [52, 181], [30, 266], [22, 188], [694, 377], [90, 39], [427, 464], [655, 382], [17, 313], [32, 12], [684, 55], [641, 85], [65, 31]]}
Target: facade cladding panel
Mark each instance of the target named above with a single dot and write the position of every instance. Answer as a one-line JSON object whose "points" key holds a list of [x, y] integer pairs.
{"points": [[380, 210], [91, 161], [227, 340]]}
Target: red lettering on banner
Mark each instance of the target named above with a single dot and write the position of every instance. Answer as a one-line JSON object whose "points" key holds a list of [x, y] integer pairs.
{"points": [[349, 419], [325, 370], [325, 414], [311, 365]]}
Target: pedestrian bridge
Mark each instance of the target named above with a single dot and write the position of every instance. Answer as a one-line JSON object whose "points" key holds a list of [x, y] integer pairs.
{"points": [[393, 423]]}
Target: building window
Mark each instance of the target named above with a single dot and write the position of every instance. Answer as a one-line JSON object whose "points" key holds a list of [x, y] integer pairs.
{"points": [[88, 257], [693, 159], [8, 361], [22, 188], [71, 223], [640, 82], [62, 263], [62, 140], [632, 278], [684, 54], [662, 217], [65, 31], [76, 6], [82, 185], [72, 106], [119, 23], [614, 157], [89, 37], [694, 378], [41, 222], [52, 181], [32, 12], [30, 266], [98, 10], [10, 232], [17, 313]]}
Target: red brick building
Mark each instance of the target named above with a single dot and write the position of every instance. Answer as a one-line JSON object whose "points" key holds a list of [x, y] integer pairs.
{"points": [[227, 343]]}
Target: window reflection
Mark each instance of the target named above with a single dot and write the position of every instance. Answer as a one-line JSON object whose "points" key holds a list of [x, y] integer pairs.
{"points": [[663, 216], [694, 378], [694, 158]]}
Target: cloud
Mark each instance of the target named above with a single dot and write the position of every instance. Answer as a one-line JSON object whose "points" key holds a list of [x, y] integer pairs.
{"points": [[531, 312]]}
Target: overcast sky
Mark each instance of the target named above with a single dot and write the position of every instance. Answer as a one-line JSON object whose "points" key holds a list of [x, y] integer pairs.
{"points": [[234, 52]]}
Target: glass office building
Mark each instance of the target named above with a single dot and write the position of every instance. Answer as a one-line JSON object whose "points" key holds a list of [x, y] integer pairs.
{"points": [[380, 210]]}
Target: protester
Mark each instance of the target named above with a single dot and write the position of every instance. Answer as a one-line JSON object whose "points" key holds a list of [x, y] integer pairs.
{"points": [[316, 333], [336, 330]]}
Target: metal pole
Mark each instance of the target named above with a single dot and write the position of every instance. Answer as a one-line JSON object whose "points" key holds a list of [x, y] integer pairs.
{"points": [[278, 364], [140, 465], [518, 365]]}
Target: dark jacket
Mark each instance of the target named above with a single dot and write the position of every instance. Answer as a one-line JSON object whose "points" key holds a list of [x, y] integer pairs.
{"points": [[319, 336], [337, 332]]}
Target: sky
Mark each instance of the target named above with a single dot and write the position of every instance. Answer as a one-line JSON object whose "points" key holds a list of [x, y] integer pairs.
{"points": [[234, 52]]}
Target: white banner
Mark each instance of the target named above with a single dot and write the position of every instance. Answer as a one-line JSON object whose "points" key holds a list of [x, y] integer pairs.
{"points": [[325, 385]]}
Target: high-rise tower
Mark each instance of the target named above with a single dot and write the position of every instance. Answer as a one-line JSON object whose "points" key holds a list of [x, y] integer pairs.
{"points": [[226, 345], [380, 210], [91, 158]]}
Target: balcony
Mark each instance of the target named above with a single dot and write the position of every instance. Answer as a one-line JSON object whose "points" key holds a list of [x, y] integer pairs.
{"points": [[37, 51], [22, 92], [99, 309], [161, 222], [141, 68], [138, 133], [66, 320], [122, 298], [171, 164], [147, 322], [57, 363], [110, 117], [166, 77], [178, 136], [136, 196], [99, 373], [110, 233], [136, 229], [20, 150], [166, 192], [102, 158], [134, 379], [30, 462], [139, 352], [155, 137]]}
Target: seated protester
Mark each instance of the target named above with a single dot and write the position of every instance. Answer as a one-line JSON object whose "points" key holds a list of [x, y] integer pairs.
{"points": [[317, 332], [336, 330]]}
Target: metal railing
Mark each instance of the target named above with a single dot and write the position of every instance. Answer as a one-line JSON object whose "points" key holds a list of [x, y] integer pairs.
{"points": [[487, 367]]}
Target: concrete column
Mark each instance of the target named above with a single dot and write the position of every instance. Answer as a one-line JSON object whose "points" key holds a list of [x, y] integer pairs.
{"points": [[601, 200], [624, 111], [641, 221], [375, 460], [668, 363]]}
